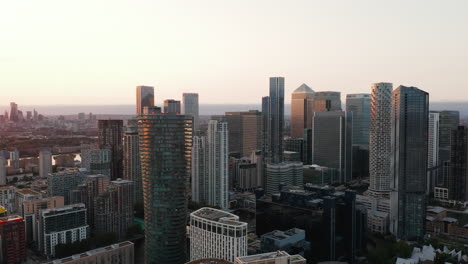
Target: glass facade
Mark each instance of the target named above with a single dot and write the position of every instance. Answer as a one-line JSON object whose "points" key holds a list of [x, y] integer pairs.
{"points": [[145, 97], [165, 154], [409, 162]]}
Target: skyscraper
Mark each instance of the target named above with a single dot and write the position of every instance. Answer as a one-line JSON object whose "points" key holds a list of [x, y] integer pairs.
{"points": [[172, 106], [131, 161], [210, 166], [448, 121], [327, 101], [110, 137], [45, 163], [380, 138], [215, 234], [3, 179], [433, 152], [14, 112], [283, 174], [302, 103], [190, 107], [95, 160], [360, 106], [244, 131], [144, 97], [458, 173], [165, 152], [273, 120], [332, 142], [409, 162]]}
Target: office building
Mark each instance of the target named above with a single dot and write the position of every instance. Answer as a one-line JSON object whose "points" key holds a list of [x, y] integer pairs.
{"points": [[62, 225], [360, 106], [244, 131], [283, 174], [290, 240], [14, 159], [62, 183], [409, 162], [332, 142], [95, 160], [295, 145], [110, 137], [380, 139], [217, 234], [433, 168], [273, 121], [13, 239], [210, 166], [448, 121], [121, 253], [14, 117], [3, 169], [190, 107], [131, 162], [172, 106], [166, 173], [31, 210], [327, 101], [7, 198], [302, 103], [334, 224], [144, 97], [45, 163], [458, 174]]}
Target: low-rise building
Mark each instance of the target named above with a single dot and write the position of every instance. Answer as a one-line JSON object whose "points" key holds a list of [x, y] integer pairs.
{"points": [[8, 197], [278, 257], [292, 240]]}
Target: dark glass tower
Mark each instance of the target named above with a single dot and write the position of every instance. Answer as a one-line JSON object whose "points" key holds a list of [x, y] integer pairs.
{"points": [[165, 154], [410, 113], [273, 110], [110, 137], [457, 184]]}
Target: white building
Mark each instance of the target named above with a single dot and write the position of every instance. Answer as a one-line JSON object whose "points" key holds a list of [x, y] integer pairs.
{"points": [[378, 212], [45, 163], [380, 147], [210, 178], [190, 107], [62, 225], [131, 161], [217, 234], [285, 173], [432, 151], [278, 257]]}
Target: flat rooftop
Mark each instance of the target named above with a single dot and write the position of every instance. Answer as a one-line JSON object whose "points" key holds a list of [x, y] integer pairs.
{"points": [[28, 191], [217, 215], [264, 256]]}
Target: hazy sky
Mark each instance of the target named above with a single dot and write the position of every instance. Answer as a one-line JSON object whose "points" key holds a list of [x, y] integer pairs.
{"points": [[97, 51]]}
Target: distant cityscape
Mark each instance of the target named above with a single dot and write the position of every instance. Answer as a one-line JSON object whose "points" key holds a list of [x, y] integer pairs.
{"points": [[378, 178]]}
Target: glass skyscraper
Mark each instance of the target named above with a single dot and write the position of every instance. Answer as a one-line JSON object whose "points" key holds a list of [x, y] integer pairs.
{"points": [[144, 97], [410, 115], [273, 115], [190, 107], [110, 137], [360, 106], [302, 102], [165, 154]]}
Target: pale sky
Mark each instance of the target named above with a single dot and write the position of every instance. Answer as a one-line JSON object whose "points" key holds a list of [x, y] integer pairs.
{"points": [[97, 51]]}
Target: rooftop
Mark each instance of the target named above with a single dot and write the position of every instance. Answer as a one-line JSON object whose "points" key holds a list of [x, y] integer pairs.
{"points": [[303, 89], [28, 192], [264, 256], [92, 252], [216, 215]]}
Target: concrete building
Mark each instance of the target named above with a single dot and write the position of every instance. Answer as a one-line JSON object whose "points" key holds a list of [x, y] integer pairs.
{"points": [[131, 162], [95, 160], [332, 142], [45, 163], [244, 132], [13, 239], [110, 137], [62, 183], [3, 170], [410, 112], [216, 234], [433, 153], [165, 165], [121, 253], [8, 197], [273, 122], [290, 240], [62, 225], [190, 107], [31, 213], [380, 139], [277, 257], [282, 174], [144, 97], [23, 195], [327, 101], [172, 106], [378, 212], [302, 103]]}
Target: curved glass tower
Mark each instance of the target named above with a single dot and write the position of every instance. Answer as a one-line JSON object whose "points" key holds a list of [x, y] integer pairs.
{"points": [[165, 152]]}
